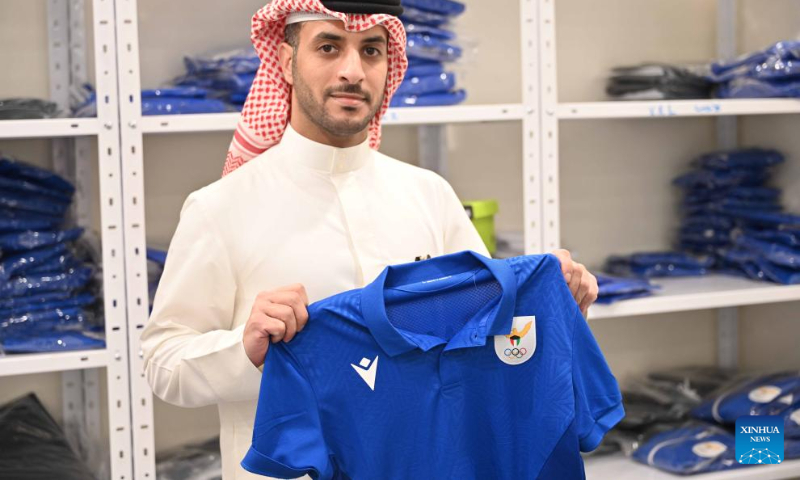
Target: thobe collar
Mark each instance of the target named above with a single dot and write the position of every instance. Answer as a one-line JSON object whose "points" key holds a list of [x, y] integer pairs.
{"points": [[324, 158]]}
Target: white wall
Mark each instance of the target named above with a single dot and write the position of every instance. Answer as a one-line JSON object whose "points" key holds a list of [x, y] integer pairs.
{"points": [[611, 171]]}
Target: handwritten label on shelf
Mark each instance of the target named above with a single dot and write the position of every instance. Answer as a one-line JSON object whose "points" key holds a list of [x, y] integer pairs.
{"points": [[708, 108], [662, 111]]}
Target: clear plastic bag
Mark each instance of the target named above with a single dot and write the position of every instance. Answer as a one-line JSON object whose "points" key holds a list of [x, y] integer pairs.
{"points": [[14, 242], [424, 85], [430, 100]]}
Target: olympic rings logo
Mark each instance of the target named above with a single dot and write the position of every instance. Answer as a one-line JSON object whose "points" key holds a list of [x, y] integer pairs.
{"points": [[515, 352]]}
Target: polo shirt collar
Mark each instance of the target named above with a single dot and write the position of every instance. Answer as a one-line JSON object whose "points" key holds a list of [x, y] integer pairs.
{"points": [[495, 321]]}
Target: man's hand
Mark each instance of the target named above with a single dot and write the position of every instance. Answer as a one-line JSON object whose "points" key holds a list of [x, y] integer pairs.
{"points": [[276, 315], [582, 284]]}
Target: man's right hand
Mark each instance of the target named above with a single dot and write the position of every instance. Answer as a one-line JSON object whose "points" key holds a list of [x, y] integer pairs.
{"points": [[276, 315]]}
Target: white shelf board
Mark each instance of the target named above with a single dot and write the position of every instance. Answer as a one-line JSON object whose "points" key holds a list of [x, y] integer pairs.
{"points": [[677, 108], [698, 293], [618, 467], [214, 122], [52, 362], [50, 127]]}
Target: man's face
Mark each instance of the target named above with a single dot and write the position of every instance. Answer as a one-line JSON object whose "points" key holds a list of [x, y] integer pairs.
{"points": [[339, 77]]}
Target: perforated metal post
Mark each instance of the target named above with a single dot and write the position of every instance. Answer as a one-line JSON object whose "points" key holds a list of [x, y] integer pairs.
{"points": [[135, 243], [432, 145], [549, 181]]}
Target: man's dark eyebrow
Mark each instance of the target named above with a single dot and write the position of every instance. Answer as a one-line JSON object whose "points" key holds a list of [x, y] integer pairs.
{"points": [[375, 39], [330, 36]]}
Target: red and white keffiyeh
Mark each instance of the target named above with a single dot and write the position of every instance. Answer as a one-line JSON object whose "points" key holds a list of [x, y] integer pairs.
{"points": [[267, 109]]}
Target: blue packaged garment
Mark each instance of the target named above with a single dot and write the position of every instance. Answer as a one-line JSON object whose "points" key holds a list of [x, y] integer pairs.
{"points": [[704, 236], [776, 253], [52, 342], [419, 68], [23, 262], [429, 30], [707, 179], [784, 237], [37, 204], [29, 188], [690, 450], [38, 283], [32, 323], [755, 88], [741, 398], [444, 7], [175, 92], [45, 301], [237, 61], [174, 106], [615, 289], [718, 221], [777, 273], [744, 158], [786, 406], [728, 204], [431, 48], [443, 82], [425, 17], [430, 100], [12, 242], [156, 255], [775, 220], [658, 264], [15, 169], [739, 193], [787, 50]]}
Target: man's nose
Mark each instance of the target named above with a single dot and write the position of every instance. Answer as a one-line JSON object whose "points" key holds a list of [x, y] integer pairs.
{"points": [[350, 68]]}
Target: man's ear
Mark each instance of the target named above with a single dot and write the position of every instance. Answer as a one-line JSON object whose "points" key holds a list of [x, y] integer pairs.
{"points": [[285, 53]]}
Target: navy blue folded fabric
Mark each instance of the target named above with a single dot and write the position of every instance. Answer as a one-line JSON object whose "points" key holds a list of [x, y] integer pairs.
{"points": [[690, 450], [740, 399]]}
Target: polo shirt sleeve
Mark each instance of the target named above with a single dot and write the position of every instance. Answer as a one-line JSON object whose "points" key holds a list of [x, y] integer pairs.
{"points": [[459, 232], [192, 355], [288, 441], [598, 401]]}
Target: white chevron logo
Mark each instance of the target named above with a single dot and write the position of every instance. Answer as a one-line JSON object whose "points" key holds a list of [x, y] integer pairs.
{"points": [[367, 371]]}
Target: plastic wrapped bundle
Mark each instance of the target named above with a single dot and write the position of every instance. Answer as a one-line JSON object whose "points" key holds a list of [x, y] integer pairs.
{"points": [[690, 450], [614, 289], [657, 82], [772, 72], [658, 264], [33, 445]]}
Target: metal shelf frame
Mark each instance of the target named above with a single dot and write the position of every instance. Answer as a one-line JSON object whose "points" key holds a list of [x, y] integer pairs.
{"points": [[71, 157]]}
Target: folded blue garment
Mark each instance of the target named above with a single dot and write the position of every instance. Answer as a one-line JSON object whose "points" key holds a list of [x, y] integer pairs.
{"points": [[40, 283], [419, 28], [237, 61], [658, 264], [786, 406], [419, 68], [443, 82], [16, 306], [738, 193], [430, 100], [15, 169], [424, 17], [33, 323], [744, 158], [25, 261], [52, 342], [444, 7], [14, 242], [175, 92], [727, 204], [773, 220], [783, 237], [615, 289], [156, 255], [717, 221], [431, 48], [708, 236], [30, 203], [786, 50], [707, 179], [741, 398], [175, 106], [756, 88], [690, 450], [776, 253], [24, 187]]}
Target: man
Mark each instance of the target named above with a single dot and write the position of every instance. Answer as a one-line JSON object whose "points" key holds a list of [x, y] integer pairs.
{"points": [[315, 211]]}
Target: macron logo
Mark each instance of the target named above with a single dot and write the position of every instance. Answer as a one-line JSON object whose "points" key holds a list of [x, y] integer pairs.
{"points": [[367, 371]]}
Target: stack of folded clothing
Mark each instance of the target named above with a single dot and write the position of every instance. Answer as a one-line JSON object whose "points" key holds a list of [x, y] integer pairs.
{"points": [[431, 46], [658, 265], [654, 81], [614, 289], [773, 72], [732, 214], [225, 77], [47, 288], [164, 101]]}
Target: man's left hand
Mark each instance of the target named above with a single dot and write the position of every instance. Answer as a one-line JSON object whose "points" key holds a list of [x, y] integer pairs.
{"points": [[582, 284]]}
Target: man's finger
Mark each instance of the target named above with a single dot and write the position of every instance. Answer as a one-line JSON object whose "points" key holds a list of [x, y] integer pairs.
{"points": [[566, 263], [275, 328], [298, 288], [285, 314], [575, 282], [294, 300]]}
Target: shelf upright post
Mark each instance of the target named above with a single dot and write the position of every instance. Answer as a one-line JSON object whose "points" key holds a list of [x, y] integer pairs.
{"points": [[548, 171], [135, 243], [432, 148], [727, 138], [530, 47]]}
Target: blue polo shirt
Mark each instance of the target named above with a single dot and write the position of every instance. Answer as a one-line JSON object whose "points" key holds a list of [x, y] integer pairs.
{"points": [[455, 367]]}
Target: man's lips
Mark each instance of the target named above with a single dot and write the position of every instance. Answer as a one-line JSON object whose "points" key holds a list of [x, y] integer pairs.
{"points": [[349, 99]]}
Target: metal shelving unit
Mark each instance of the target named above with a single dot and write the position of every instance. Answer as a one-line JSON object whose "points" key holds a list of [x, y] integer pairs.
{"points": [[71, 155], [712, 292]]}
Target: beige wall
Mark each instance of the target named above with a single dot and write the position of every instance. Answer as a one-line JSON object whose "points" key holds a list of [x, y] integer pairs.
{"points": [[616, 196]]}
